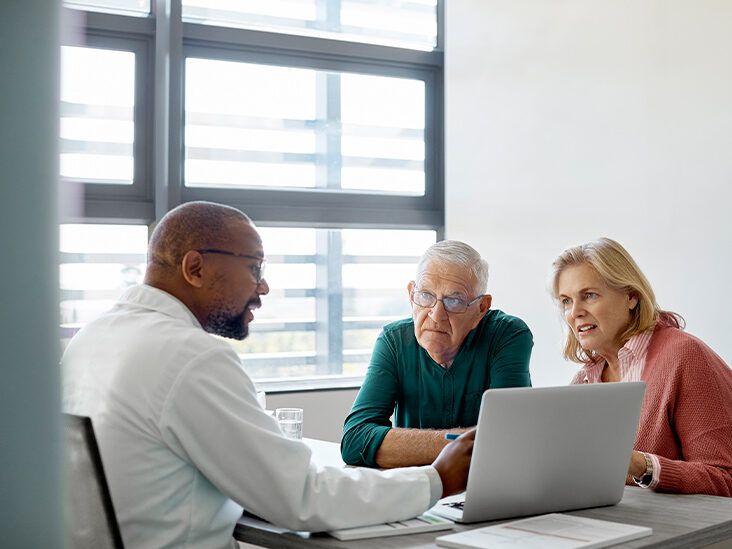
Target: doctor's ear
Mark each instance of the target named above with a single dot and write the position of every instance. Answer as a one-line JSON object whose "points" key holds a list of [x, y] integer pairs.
{"points": [[192, 268]]}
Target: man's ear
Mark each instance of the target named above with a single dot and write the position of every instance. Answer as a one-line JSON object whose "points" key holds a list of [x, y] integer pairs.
{"points": [[485, 304], [192, 268], [410, 287]]}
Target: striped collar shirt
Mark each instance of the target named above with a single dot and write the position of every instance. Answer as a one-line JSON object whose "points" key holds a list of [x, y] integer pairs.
{"points": [[632, 358]]}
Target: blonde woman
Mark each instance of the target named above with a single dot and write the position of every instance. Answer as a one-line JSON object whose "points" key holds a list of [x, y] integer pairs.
{"points": [[618, 332]]}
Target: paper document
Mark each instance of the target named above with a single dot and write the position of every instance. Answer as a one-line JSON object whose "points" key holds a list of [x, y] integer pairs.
{"points": [[422, 523], [554, 531]]}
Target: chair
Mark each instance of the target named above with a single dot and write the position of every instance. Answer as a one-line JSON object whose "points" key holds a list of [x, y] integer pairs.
{"points": [[89, 516]]}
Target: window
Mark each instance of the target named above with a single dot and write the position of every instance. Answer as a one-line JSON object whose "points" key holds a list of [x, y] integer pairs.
{"points": [[321, 120], [129, 7], [97, 122], [331, 293], [392, 23], [270, 126], [106, 124], [98, 263]]}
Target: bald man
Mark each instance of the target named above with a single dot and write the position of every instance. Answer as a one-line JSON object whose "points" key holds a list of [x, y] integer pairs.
{"points": [[185, 444]]}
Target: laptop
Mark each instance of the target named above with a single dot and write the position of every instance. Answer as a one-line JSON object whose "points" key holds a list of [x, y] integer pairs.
{"points": [[549, 449]]}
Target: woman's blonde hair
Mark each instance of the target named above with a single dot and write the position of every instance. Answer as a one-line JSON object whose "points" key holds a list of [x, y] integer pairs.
{"points": [[619, 271]]}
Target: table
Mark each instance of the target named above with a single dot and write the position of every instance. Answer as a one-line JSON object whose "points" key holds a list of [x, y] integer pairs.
{"points": [[677, 521]]}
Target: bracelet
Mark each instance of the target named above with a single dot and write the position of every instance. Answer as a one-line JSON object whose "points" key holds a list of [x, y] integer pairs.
{"points": [[647, 477]]}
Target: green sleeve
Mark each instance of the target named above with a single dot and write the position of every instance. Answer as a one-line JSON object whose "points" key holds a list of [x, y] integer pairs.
{"points": [[369, 420], [510, 361]]}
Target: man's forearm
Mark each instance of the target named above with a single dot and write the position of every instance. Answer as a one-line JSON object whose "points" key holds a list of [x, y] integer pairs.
{"points": [[407, 447]]}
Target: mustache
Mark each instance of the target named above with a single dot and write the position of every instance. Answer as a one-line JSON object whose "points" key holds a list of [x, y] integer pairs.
{"points": [[255, 303]]}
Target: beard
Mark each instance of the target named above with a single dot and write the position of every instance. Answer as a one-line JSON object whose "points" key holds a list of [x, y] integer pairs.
{"points": [[226, 321], [228, 324]]}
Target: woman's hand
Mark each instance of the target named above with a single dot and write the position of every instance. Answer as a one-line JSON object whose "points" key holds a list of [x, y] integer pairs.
{"points": [[637, 467]]}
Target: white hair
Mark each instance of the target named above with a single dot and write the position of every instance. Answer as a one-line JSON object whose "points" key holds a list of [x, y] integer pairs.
{"points": [[459, 253]]}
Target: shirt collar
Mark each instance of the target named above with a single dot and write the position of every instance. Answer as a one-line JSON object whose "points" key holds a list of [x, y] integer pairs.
{"points": [[636, 347], [592, 371], [634, 350], [156, 299]]}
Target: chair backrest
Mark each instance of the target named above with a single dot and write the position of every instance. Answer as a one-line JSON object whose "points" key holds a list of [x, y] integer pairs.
{"points": [[90, 521]]}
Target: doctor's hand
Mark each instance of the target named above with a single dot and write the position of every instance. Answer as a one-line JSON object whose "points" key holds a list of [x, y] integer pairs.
{"points": [[453, 463]]}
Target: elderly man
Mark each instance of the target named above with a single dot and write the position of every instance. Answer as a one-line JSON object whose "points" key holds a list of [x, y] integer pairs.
{"points": [[431, 370], [184, 442]]}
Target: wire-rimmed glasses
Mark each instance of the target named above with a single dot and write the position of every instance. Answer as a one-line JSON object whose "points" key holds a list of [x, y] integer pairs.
{"points": [[257, 269], [452, 304]]}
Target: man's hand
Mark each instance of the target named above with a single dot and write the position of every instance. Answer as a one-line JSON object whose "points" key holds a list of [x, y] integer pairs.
{"points": [[453, 463]]}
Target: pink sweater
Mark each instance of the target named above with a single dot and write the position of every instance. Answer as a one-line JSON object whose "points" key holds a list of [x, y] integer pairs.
{"points": [[686, 416]]}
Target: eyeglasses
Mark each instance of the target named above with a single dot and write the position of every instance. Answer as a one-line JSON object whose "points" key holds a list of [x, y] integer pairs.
{"points": [[257, 270], [451, 304]]}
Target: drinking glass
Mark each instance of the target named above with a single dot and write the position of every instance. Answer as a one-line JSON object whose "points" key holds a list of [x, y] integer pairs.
{"points": [[290, 420]]}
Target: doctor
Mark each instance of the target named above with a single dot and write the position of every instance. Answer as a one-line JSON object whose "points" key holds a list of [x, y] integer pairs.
{"points": [[184, 442]]}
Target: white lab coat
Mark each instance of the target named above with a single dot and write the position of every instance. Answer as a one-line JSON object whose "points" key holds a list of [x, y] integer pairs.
{"points": [[185, 443]]}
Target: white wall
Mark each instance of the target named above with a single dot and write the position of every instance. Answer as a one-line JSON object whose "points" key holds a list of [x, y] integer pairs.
{"points": [[572, 119], [323, 411]]}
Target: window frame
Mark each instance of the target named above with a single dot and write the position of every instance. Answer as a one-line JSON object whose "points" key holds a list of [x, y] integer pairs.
{"points": [[321, 207], [162, 45], [120, 203]]}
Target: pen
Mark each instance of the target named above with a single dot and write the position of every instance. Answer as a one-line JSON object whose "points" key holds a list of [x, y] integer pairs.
{"points": [[452, 436]]}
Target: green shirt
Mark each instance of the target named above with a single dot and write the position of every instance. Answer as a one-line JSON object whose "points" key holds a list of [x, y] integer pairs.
{"points": [[403, 380]]}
